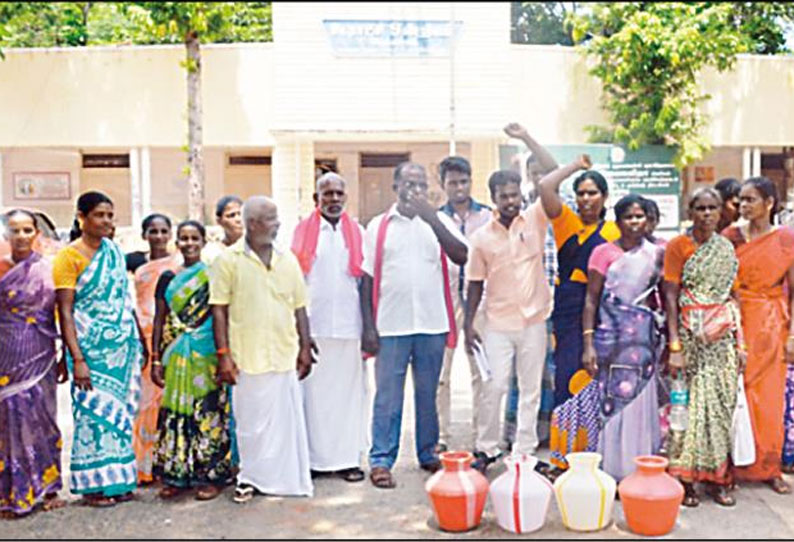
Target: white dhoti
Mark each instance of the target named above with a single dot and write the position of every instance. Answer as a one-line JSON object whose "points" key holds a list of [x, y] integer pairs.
{"points": [[335, 402], [271, 434]]}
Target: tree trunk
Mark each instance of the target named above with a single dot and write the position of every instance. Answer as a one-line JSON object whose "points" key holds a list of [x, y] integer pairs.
{"points": [[195, 159]]}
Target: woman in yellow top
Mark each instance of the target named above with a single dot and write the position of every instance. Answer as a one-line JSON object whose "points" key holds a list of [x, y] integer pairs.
{"points": [[104, 354]]}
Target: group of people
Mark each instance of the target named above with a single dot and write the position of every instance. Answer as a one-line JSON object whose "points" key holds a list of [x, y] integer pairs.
{"points": [[241, 362]]}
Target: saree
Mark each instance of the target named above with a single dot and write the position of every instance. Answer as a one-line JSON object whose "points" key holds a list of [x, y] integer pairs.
{"points": [[569, 296], [617, 413], [763, 265], [30, 442], [144, 431], [103, 460], [194, 445], [701, 453]]}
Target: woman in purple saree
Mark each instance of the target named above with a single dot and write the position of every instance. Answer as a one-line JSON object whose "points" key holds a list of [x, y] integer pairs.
{"points": [[30, 442]]}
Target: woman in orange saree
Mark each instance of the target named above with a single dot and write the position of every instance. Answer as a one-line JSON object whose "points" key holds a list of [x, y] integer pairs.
{"points": [[156, 229], [766, 262]]}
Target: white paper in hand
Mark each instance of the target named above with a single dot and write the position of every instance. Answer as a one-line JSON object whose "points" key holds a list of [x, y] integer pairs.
{"points": [[482, 361]]}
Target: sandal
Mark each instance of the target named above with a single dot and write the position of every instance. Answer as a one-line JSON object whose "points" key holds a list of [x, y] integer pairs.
{"points": [[98, 501], [124, 497], [52, 502], [169, 492], [243, 493], [691, 498], [720, 495], [351, 475], [208, 492], [381, 478], [779, 486]]}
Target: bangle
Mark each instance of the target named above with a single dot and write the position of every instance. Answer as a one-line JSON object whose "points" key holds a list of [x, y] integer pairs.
{"points": [[588, 332], [222, 351], [157, 362], [675, 346]]}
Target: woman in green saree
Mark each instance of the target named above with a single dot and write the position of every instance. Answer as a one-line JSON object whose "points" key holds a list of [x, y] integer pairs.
{"points": [[194, 446]]}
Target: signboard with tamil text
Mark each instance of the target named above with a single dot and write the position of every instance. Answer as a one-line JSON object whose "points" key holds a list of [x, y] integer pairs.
{"points": [[648, 171], [390, 38]]}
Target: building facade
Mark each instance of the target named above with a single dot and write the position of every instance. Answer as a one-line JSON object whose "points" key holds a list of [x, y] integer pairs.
{"points": [[353, 87]]}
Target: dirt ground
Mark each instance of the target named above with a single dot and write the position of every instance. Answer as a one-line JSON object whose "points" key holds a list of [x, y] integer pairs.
{"points": [[343, 510]]}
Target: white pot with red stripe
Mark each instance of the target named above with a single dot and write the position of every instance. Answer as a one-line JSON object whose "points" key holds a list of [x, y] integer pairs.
{"points": [[521, 496]]}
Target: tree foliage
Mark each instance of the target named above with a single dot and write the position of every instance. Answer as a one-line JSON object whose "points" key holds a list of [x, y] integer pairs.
{"points": [[63, 24], [649, 57], [541, 23]]}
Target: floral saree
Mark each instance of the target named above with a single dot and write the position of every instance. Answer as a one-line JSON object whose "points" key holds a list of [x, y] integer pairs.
{"points": [[103, 460], [30, 442], [701, 453], [194, 447]]}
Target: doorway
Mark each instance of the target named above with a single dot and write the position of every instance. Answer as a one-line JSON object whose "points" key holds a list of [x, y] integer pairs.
{"points": [[376, 176]]}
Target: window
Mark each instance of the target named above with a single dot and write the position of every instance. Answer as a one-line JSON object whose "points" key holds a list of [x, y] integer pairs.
{"points": [[249, 160], [106, 160]]}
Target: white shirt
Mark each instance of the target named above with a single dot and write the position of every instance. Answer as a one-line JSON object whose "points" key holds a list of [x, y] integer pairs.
{"points": [[334, 310], [411, 297]]}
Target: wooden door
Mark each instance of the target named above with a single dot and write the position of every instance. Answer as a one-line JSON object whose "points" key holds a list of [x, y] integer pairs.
{"points": [[376, 177]]}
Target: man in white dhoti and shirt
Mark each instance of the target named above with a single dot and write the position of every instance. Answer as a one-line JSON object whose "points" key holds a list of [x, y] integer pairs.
{"points": [[262, 339], [328, 247], [408, 317]]}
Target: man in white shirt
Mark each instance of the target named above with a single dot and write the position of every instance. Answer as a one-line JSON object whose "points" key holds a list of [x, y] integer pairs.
{"points": [[406, 305], [328, 245]]}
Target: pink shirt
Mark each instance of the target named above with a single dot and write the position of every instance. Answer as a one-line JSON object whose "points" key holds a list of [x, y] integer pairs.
{"points": [[510, 261]]}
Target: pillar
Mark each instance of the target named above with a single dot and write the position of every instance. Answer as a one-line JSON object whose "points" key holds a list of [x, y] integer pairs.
{"points": [[757, 162], [135, 187], [146, 181], [484, 161], [292, 183], [746, 163]]}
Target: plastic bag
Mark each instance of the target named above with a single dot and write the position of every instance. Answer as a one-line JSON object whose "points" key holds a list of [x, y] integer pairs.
{"points": [[742, 438]]}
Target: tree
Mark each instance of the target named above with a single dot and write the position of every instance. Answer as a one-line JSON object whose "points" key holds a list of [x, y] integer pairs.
{"points": [[649, 55], [191, 23], [43, 24], [541, 22]]}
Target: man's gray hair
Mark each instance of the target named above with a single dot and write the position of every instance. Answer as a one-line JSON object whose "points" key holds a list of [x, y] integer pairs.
{"points": [[255, 205], [327, 178]]}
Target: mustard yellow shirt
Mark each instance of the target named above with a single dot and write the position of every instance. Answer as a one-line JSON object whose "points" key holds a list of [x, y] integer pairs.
{"points": [[67, 266], [262, 304]]}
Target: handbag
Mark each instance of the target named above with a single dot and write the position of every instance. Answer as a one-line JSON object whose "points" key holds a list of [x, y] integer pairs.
{"points": [[709, 322], [742, 439]]}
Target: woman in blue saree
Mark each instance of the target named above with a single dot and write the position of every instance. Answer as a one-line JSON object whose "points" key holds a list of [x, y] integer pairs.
{"points": [[576, 235], [194, 445], [104, 355]]}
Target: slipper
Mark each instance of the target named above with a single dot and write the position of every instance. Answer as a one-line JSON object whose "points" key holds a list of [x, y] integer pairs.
{"points": [[169, 492], [381, 478], [208, 492], [52, 502], [691, 499], [125, 497], [720, 495], [351, 475], [243, 493], [98, 501], [779, 486]]}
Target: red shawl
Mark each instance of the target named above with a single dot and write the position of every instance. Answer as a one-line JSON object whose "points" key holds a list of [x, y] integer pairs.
{"points": [[304, 242]]}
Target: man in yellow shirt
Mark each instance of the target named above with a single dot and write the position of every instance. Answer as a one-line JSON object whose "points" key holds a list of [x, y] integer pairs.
{"points": [[258, 300]]}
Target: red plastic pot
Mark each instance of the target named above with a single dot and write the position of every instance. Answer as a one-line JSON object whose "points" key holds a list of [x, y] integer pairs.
{"points": [[651, 498]]}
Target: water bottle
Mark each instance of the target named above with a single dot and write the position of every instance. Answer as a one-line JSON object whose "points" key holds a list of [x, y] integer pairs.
{"points": [[679, 401]]}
